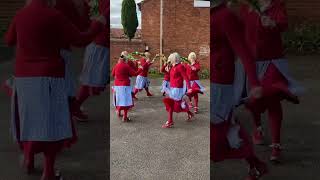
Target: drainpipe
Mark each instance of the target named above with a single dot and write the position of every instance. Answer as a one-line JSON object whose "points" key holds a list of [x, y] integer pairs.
{"points": [[161, 31]]}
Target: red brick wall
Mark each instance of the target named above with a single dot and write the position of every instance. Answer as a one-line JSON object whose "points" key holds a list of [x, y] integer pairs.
{"points": [[150, 25], [301, 10], [8, 9], [117, 46], [186, 28]]}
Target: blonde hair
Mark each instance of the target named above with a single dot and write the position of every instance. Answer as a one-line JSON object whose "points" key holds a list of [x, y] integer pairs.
{"points": [[147, 54], [124, 53], [174, 56], [192, 56]]}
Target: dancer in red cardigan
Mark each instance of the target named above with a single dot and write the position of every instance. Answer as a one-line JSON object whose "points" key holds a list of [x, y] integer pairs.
{"points": [[77, 11], [193, 70], [228, 138], [95, 73], [175, 101], [263, 36], [133, 64], [41, 117], [165, 69], [142, 81], [122, 90]]}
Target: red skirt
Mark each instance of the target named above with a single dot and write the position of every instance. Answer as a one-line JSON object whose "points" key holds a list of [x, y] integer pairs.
{"points": [[93, 91], [7, 89], [196, 89], [220, 149], [275, 87], [175, 105], [36, 147], [119, 108]]}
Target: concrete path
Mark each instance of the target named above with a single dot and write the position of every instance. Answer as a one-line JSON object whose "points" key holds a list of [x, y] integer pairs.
{"points": [[142, 150]]}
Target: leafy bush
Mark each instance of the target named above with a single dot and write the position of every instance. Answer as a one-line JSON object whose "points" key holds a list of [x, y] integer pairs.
{"points": [[205, 74], [303, 38], [94, 4], [2, 32], [154, 73]]}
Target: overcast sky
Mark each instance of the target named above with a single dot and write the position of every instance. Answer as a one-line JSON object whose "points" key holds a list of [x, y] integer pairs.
{"points": [[115, 13]]}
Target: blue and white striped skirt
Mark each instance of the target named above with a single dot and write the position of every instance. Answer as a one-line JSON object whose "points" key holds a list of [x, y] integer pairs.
{"points": [[241, 85], [142, 82], [165, 85], [122, 96], [221, 110], [282, 65], [40, 109], [69, 77], [95, 72], [222, 102], [132, 83], [202, 89], [176, 93]]}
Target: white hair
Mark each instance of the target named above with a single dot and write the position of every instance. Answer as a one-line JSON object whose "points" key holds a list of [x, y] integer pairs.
{"points": [[147, 54], [124, 53], [174, 56], [192, 56]]}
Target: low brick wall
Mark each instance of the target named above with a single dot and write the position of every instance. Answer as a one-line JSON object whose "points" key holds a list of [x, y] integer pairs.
{"points": [[119, 45]]}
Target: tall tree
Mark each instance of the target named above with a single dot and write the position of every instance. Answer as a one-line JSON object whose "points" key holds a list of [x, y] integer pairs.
{"points": [[129, 19], [94, 4]]}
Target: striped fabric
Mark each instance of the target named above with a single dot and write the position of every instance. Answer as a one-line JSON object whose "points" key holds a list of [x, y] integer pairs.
{"points": [[241, 86], [142, 82], [282, 65], [222, 102], [240, 83], [132, 80], [40, 110], [202, 89], [221, 110], [122, 96], [165, 85], [176, 93], [95, 72], [69, 77]]}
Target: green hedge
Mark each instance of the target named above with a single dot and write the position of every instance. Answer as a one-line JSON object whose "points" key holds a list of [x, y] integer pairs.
{"points": [[6, 53], [205, 74], [302, 39], [2, 31], [94, 11], [154, 73]]}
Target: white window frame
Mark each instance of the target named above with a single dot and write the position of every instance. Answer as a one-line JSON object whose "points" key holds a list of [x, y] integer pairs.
{"points": [[201, 3]]}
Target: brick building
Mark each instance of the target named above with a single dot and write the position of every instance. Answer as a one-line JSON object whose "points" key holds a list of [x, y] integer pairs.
{"points": [[302, 10], [8, 9], [119, 43], [179, 16], [185, 28]]}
